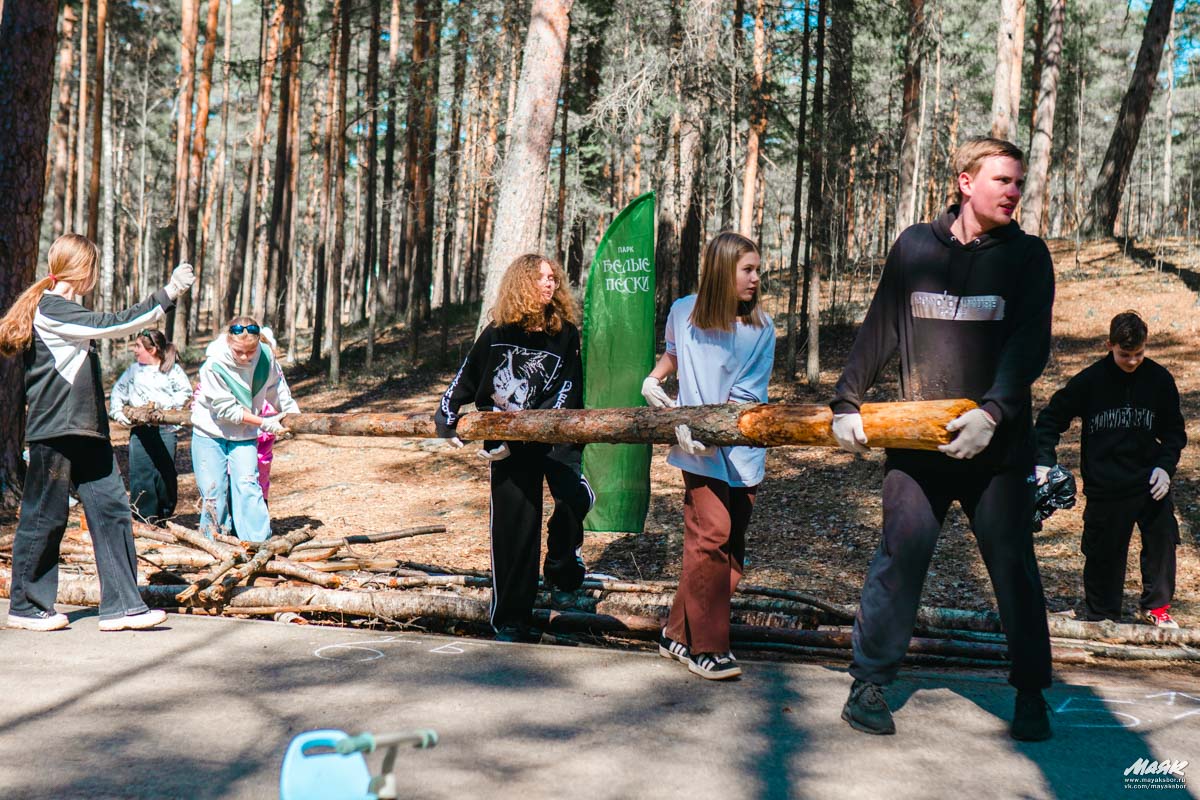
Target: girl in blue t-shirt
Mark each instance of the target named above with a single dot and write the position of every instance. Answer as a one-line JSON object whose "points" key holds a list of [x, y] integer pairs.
{"points": [[722, 348]]}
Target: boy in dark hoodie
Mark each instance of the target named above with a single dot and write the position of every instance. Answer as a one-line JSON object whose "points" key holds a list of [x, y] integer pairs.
{"points": [[966, 301], [1133, 433]]}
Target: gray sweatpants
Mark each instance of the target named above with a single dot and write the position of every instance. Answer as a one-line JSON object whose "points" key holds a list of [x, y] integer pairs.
{"points": [[88, 465]]}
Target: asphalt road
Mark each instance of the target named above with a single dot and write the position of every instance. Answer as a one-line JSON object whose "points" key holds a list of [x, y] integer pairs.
{"points": [[205, 708]]}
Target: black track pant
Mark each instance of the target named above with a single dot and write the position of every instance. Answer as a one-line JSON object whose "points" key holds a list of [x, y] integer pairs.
{"points": [[55, 465], [1107, 529], [1000, 509], [153, 480], [516, 526]]}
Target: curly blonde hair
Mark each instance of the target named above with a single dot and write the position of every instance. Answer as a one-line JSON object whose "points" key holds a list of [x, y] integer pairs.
{"points": [[519, 301]]}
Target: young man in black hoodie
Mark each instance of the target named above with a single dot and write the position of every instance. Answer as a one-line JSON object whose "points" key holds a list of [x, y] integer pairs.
{"points": [[966, 301], [1133, 434]]}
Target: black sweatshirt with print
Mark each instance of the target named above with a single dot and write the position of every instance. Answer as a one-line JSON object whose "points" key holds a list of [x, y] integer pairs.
{"points": [[512, 369], [1131, 424], [969, 320]]}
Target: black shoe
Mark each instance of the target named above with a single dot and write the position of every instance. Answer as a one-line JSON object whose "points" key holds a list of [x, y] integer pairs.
{"points": [[1031, 718], [867, 711], [669, 648], [714, 666], [565, 575], [518, 633]]}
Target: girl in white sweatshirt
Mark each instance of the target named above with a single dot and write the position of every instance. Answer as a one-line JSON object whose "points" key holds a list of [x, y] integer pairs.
{"points": [[237, 378]]}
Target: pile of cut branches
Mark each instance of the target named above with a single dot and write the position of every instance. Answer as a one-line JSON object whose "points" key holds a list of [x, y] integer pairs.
{"points": [[297, 577]]}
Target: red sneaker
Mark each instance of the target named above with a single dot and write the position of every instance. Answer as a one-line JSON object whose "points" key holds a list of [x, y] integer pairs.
{"points": [[1159, 617]]}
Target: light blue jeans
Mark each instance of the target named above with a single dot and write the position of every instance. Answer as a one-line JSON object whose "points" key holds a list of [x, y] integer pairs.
{"points": [[227, 479]]}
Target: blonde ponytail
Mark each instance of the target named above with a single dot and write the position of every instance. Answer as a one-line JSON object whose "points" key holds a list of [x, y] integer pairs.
{"points": [[72, 259], [16, 327]]}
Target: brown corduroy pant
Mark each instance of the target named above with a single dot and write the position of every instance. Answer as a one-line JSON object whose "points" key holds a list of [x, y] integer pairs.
{"points": [[715, 518]]}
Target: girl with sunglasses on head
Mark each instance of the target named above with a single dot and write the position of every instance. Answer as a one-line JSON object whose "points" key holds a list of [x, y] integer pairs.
{"points": [[154, 377], [238, 379], [67, 432], [722, 348]]}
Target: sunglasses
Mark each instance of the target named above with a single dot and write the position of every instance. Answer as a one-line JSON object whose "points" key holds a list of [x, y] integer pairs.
{"points": [[238, 330]]}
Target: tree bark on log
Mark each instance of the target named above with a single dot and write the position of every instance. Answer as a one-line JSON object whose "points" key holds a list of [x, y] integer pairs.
{"points": [[911, 425]]}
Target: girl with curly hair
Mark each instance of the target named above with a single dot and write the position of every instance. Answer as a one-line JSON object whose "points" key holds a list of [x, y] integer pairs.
{"points": [[527, 357]]}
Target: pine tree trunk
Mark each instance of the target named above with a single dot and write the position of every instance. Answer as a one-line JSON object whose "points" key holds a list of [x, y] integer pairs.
{"points": [[910, 113], [370, 260], [818, 232], [322, 278], [758, 122], [105, 224], [793, 334], [62, 127], [27, 38], [338, 199], [93, 205], [250, 263], [1114, 171], [81, 126], [387, 266], [279, 224], [519, 204], [1003, 113], [183, 128], [1168, 134], [454, 150], [1037, 188]]}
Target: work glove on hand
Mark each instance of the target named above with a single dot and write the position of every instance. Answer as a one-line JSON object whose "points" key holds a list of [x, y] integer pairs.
{"points": [[499, 454], [119, 417], [975, 429], [1041, 473], [683, 434], [272, 425], [655, 396], [453, 441], [848, 430], [1160, 483], [182, 278]]}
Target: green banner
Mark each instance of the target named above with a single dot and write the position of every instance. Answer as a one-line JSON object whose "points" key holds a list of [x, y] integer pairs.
{"points": [[618, 353]]}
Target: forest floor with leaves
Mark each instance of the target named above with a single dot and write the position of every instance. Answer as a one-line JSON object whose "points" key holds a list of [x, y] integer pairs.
{"points": [[817, 517]]}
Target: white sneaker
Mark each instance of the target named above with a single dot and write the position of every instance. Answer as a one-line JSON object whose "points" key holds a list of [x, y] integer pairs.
{"points": [[42, 621], [135, 622]]}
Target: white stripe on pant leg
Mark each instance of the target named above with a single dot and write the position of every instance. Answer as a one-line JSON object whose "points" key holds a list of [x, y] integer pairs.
{"points": [[492, 542]]}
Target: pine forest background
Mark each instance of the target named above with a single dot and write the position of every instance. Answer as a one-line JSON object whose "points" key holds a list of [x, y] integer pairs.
{"points": [[333, 167]]}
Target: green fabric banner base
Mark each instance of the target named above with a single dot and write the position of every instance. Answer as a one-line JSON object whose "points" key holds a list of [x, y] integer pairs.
{"points": [[618, 353]]}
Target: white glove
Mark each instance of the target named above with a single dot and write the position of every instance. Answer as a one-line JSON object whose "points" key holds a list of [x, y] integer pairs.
{"points": [[272, 425], [683, 434], [454, 442], [499, 454], [975, 429], [848, 430], [1041, 473], [1160, 483], [119, 417], [655, 396], [182, 278]]}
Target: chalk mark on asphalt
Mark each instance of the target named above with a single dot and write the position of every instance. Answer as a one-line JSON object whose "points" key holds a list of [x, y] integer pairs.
{"points": [[363, 650]]}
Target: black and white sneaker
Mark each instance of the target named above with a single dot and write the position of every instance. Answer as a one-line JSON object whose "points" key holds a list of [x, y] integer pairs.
{"points": [[669, 648], [714, 666]]}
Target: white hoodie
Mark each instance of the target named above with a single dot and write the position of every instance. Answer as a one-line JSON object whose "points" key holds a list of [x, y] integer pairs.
{"points": [[227, 392]]}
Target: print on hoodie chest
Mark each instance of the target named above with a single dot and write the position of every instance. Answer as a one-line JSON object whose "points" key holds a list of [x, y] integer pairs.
{"points": [[941, 305], [521, 376]]}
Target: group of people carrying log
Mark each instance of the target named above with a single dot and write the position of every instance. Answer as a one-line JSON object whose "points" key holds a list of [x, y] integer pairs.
{"points": [[965, 301]]}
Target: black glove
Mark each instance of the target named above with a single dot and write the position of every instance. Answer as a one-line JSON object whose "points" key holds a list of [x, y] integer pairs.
{"points": [[1057, 491]]}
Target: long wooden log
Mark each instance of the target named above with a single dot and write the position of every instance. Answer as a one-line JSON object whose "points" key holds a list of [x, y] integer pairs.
{"points": [[919, 425]]}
